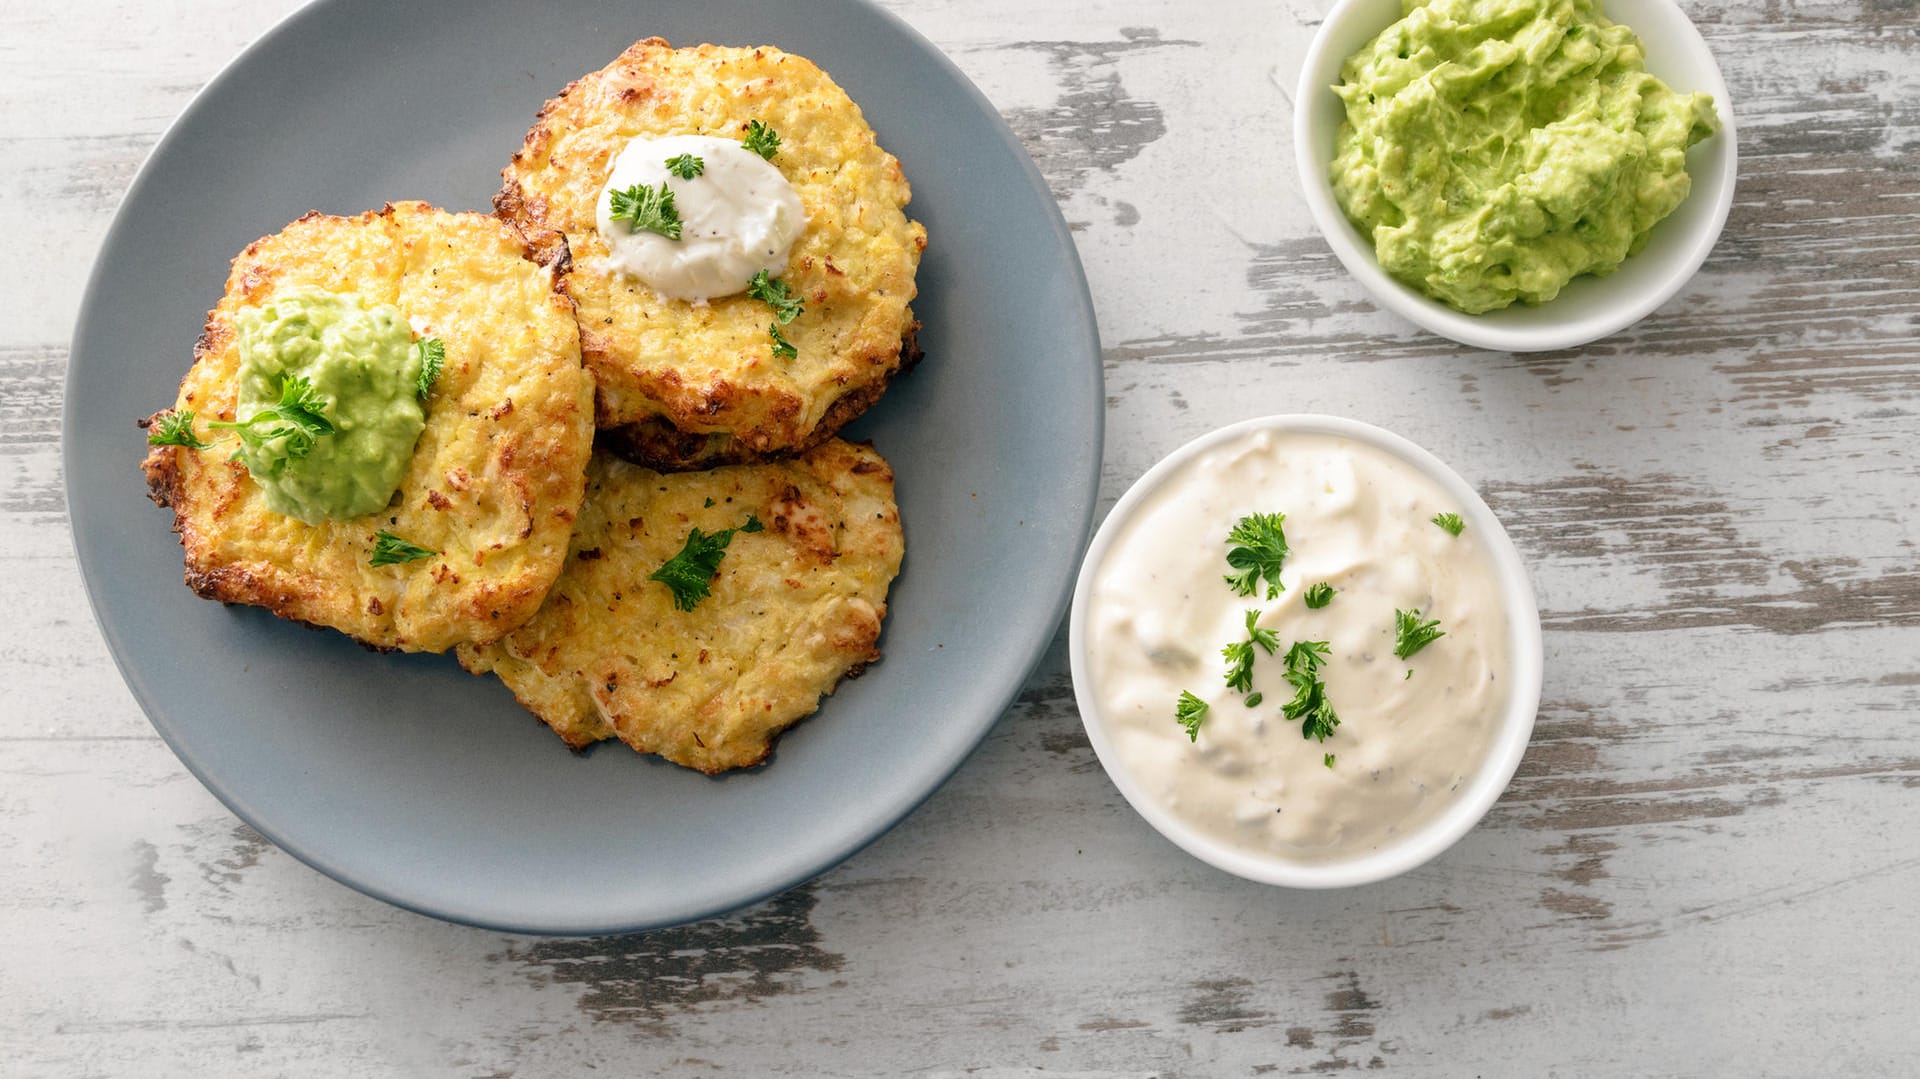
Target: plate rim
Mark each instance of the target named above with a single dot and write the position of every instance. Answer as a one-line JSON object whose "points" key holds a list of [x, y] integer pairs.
{"points": [[94, 580]]}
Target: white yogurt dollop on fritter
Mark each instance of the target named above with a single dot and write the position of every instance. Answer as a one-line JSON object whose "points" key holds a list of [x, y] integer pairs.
{"points": [[738, 216]]}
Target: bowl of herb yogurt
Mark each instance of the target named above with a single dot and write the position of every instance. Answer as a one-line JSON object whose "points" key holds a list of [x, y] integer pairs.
{"points": [[1305, 651], [1517, 175]]}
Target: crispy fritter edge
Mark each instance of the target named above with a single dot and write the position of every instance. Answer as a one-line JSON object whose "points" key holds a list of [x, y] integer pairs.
{"points": [[657, 444]]}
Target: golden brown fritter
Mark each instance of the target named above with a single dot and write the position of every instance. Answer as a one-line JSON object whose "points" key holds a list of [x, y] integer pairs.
{"points": [[687, 385], [496, 477], [793, 607]]}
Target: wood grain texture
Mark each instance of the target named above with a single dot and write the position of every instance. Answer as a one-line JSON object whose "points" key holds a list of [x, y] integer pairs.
{"points": [[1706, 865]]}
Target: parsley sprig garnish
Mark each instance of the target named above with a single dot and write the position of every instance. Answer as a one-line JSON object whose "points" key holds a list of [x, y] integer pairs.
{"points": [[175, 428], [389, 550], [1257, 548], [648, 208], [1451, 522], [761, 139], [686, 166], [1411, 634], [786, 307], [300, 418], [433, 356], [1309, 703], [689, 574], [1188, 711], [1240, 653], [775, 293], [1319, 595]]}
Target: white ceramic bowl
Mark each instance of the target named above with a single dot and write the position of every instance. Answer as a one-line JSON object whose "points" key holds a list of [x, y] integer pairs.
{"points": [[1589, 308], [1503, 752]]}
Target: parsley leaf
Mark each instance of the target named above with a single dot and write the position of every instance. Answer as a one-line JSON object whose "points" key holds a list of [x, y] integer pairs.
{"points": [[433, 356], [1319, 595], [689, 574], [1254, 699], [1327, 760], [175, 429], [761, 139], [1240, 653], [786, 306], [647, 208], [1257, 547], [1451, 522], [1412, 634], [300, 418], [389, 549], [1265, 638], [1306, 655], [782, 347], [1188, 711], [1309, 704], [686, 166], [1320, 720], [1239, 656], [301, 404]]}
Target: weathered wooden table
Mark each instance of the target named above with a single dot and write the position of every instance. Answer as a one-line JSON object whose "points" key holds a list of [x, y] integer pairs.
{"points": [[1707, 865]]}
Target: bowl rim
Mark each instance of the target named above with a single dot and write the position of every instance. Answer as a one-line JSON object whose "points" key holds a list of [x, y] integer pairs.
{"points": [[1504, 752], [1485, 331]]}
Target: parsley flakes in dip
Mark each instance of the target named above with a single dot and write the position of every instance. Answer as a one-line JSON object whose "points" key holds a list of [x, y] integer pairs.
{"points": [[1496, 149]]}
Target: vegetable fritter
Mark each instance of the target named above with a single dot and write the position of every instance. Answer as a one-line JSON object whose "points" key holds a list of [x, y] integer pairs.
{"points": [[708, 679], [477, 531], [688, 385]]}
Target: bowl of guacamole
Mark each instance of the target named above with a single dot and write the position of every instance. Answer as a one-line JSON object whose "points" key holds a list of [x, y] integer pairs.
{"points": [[1517, 175]]}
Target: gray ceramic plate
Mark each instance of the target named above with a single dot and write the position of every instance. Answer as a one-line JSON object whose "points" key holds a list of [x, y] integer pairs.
{"points": [[415, 782]]}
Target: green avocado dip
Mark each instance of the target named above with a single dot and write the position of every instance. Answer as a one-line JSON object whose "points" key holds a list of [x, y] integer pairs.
{"points": [[1496, 149], [360, 371]]}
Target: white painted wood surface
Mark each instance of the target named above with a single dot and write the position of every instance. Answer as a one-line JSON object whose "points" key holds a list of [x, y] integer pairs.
{"points": [[1707, 865]]}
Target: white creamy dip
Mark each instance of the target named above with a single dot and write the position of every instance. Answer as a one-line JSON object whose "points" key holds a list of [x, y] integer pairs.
{"points": [[738, 216], [1359, 519]]}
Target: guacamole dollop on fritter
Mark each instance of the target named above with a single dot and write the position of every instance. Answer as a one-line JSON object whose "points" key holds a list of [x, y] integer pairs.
{"points": [[360, 371], [477, 529], [793, 605], [685, 384]]}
